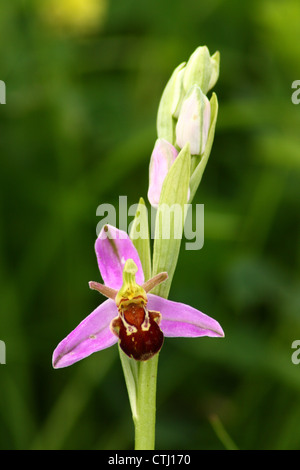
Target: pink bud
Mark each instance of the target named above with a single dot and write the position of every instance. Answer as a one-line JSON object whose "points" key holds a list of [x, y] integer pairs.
{"points": [[162, 158]]}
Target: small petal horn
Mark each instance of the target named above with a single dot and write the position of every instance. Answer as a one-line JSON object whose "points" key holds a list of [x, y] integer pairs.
{"points": [[158, 279], [107, 291]]}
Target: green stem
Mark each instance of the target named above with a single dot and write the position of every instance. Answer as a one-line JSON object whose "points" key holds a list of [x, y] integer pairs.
{"points": [[222, 433], [144, 421]]}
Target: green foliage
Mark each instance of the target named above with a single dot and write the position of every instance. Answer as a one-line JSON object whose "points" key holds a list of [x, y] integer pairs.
{"points": [[77, 130]]}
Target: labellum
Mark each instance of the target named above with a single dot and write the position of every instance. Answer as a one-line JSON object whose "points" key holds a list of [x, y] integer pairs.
{"points": [[136, 327], [138, 330]]}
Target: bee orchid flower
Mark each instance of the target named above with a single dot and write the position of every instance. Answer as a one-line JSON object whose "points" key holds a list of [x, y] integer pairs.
{"points": [[132, 316]]}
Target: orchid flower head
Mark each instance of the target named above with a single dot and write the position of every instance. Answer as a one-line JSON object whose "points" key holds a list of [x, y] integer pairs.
{"points": [[132, 316]]}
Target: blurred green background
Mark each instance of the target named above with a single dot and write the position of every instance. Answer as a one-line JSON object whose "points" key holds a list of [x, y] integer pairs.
{"points": [[84, 79]]}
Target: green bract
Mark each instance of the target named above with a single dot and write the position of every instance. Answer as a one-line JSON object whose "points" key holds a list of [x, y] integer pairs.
{"points": [[170, 219], [169, 104], [199, 163], [140, 236]]}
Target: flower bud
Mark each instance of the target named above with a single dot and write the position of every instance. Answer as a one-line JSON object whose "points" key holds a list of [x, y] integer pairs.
{"points": [[202, 70], [169, 105], [193, 121], [162, 158]]}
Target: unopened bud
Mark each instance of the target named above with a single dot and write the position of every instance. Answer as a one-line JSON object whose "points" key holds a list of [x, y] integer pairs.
{"points": [[193, 121], [202, 70], [162, 158]]}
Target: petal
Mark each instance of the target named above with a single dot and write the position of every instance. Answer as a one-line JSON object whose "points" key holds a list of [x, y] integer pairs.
{"points": [[91, 335], [182, 320], [113, 248], [162, 158]]}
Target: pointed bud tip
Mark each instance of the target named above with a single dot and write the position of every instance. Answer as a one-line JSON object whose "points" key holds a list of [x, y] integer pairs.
{"points": [[130, 267]]}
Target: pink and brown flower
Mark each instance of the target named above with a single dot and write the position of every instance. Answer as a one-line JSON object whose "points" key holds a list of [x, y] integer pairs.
{"points": [[131, 315]]}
